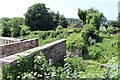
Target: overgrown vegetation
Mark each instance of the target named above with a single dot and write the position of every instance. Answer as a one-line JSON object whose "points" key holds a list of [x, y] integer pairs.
{"points": [[36, 67], [98, 46]]}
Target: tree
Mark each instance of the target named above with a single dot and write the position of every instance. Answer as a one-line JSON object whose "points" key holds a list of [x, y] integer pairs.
{"points": [[82, 15], [55, 19], [15, 26], [38, 17], [92, 16], [95, 19], [5, 28], [63, 22], [11, 27]]}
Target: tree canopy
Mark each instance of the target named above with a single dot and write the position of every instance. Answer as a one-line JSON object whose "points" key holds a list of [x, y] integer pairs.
{"points": [[11, 27], [39, 17], [91, 16]]}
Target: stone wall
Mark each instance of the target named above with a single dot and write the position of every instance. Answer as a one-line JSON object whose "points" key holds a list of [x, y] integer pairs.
{"points": [[15, 47], [55, 51], [8, 40], [1, 42]]}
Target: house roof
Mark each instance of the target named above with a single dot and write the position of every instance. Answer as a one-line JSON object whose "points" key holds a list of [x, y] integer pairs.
{"points": [[78, 25]]}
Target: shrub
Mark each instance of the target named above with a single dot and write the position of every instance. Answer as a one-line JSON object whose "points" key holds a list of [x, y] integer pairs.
{"points": [[35, 67], [77, 30], [25, 30], [75, 63], [59, 28], [112, 30], [95, 52], [113, 70], [55, 34], [44, 34], [74, 42]]}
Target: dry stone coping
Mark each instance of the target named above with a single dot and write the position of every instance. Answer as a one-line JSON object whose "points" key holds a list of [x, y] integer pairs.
{"points": [[11, 60]]}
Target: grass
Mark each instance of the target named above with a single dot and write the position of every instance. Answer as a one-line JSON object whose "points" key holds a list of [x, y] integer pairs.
{"points": [[0, 76]]}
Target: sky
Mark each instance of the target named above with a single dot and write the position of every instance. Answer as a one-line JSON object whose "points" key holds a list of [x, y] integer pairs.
{"points": [[68, 8]]}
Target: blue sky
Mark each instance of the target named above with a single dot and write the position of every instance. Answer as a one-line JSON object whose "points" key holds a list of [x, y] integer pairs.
{"points": [[17, 8]]}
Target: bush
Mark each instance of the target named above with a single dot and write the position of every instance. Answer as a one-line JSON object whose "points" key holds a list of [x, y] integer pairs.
{"points": [[74, 42], [95, 52], [35, 67], [77, 30], [44, 34], [75, 63], [59, 28], [113, 70], [112, 30], [25, 30]]}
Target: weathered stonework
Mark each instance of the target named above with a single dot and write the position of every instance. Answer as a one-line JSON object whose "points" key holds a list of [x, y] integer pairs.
{"points": [[55, 51], [11, 46], [74, 54], [8, 40]]}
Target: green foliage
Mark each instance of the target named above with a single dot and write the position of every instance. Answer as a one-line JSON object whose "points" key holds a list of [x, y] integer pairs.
{"points": [[112, 30], [92, 16], [72, 21], [44, 35], [48, 40], [59, 28], [17, 71], [11, 27], [54, 34], [74, 42], [114, 23], [79, 39], [15, 27], [83, 39], [113, 71], [35, 67], [95, 52], [94, 71], [82, 15], [89, 31], [38, 17], [73, 67], [75, 63], [5, 28], [62, 21], [94, 19], [77, 30], [25, 30]]}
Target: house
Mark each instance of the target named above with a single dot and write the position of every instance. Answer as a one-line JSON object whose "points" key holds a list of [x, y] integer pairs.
{"points": [[78, 25], [69, 27]]}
